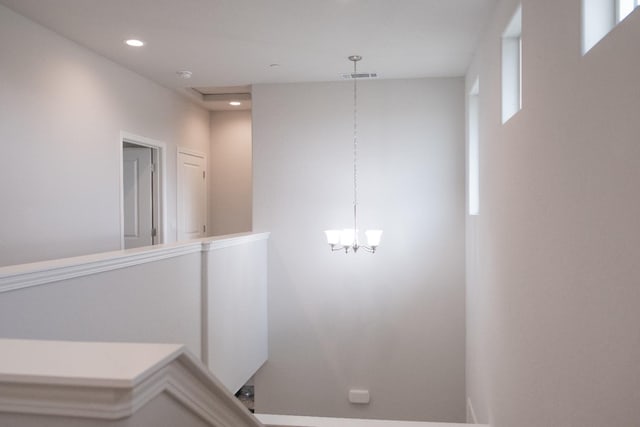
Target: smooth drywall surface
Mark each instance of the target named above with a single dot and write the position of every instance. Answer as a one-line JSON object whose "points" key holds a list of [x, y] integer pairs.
{"points": [[158, 302], [230, 173], [554, 268], [237, 312], [392, 322], [62, 109]]}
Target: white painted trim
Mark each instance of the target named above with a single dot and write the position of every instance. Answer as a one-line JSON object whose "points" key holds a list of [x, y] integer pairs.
{"points": [[201, 392], [161, 148], [178, 374], [204, 305], [270, 420], [100, 364], [185, 150], [121, 187], [45, 272], [222, 242], [70, 268], [471, 412]]}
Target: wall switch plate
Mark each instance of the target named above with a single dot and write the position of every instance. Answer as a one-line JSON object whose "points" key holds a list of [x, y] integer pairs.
{"points": [[359, 396]]}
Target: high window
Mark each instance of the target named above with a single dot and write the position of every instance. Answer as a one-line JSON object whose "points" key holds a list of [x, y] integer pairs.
{"points": [[624, 8], [600, 16], [473, 161], [512, 66]]}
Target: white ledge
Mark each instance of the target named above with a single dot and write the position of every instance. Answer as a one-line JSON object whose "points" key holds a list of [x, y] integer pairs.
{"points": [[39, 273], [98, 364], [233, 240], [110, 381], [270, 420]]}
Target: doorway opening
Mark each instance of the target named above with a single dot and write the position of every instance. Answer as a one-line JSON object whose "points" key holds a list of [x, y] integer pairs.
{"points": [[142, 201]]}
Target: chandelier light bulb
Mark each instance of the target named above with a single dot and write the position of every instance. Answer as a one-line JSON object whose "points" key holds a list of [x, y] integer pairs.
{"points": [[347, 237], [373, 237], [333, 236]]}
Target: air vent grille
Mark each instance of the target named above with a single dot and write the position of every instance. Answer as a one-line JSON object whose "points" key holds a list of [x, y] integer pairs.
{"points": [[349, 76]]}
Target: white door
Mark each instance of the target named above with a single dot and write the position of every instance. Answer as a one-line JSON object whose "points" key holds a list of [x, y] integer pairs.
{"points": [[192, 196], [137, 197]]}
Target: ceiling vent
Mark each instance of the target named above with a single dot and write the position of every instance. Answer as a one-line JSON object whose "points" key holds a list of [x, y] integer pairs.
{"points": [[349, 76]]}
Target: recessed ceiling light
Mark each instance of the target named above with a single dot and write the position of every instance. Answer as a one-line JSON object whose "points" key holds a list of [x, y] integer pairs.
{"points": [[134, 42], [235, 103]]}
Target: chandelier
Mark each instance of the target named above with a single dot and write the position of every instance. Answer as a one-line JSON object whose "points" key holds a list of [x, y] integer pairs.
{"points": [[347, 239]]}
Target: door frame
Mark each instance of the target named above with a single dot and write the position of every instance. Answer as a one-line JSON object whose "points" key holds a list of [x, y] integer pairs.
{"points": [[159, 158], [203, 155]]}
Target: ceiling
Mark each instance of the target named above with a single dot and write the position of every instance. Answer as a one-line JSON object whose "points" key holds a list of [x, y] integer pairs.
{"points": [[235, 42]]}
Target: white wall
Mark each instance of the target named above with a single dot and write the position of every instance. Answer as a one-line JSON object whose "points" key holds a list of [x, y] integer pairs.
{"points": [[157, 302], [62, 108], [553, 295], [392, 322], [230, 172], [236, 303]]}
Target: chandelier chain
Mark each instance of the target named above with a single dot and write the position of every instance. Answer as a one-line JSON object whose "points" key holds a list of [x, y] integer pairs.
{"points": [[355, 149]]}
